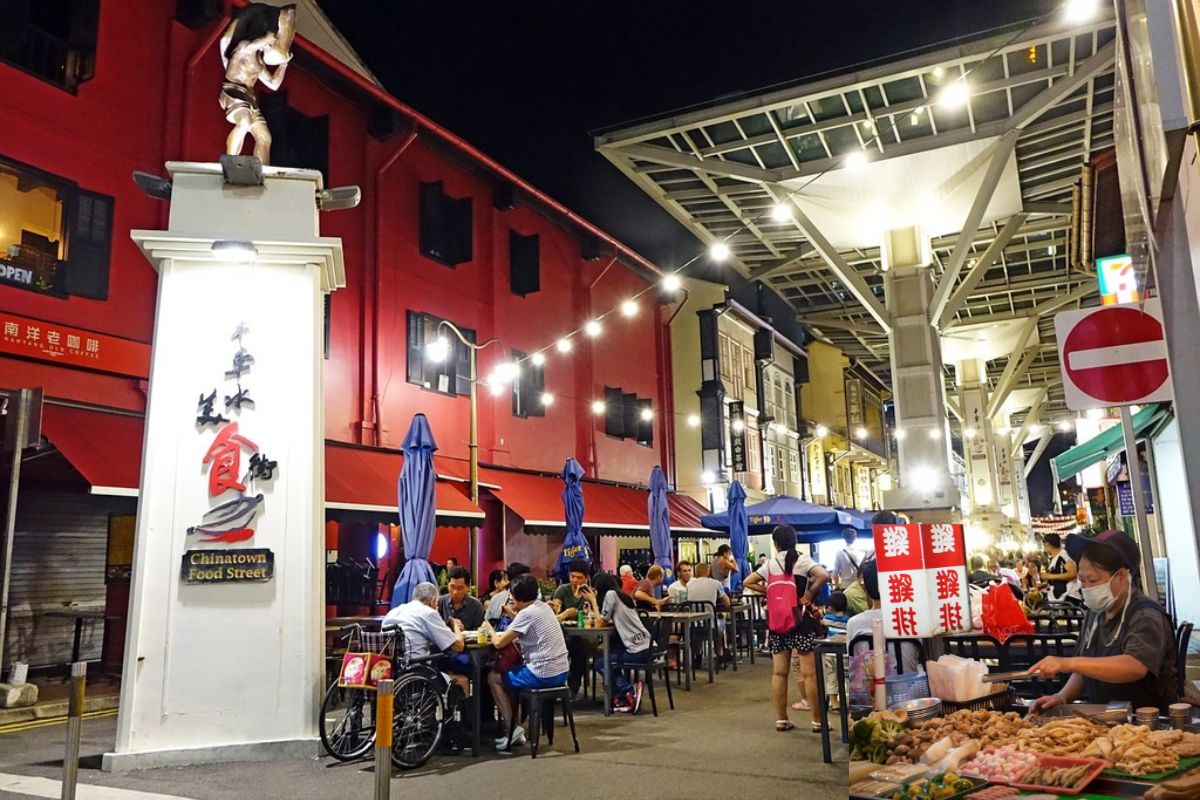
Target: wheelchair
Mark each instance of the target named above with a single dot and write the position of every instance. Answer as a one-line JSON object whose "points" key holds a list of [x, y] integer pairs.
{"points": [[427, 709]]}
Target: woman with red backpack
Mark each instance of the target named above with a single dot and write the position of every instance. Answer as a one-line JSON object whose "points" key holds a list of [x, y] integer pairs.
{"points": [[790, 581]]}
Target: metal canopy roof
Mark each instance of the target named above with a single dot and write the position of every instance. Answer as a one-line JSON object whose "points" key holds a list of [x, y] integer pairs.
{"points": [[720, 170]]}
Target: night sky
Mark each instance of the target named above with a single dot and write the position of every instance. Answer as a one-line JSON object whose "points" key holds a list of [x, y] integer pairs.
{"points": [[529, 82]]}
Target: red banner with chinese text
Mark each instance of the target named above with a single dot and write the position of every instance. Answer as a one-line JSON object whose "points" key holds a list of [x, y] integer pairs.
{"points": [[73, 347], [922, 579]]}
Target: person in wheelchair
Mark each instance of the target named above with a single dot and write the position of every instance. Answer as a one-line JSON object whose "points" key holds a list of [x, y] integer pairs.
{"points": [[426, 635]]}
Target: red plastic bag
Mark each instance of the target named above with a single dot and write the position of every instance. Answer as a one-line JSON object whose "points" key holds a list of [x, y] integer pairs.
{"points": [[1002, 615]]}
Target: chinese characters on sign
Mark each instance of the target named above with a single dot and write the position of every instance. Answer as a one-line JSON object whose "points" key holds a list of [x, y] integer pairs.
{"points": [[854, 405], [233, 519], [737, 436], [69, 346], [923, 579]]}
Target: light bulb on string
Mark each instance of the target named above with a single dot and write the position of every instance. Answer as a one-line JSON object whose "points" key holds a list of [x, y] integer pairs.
{"points": [[856, 161], [955, 94], [438, 350], [647, 415], [821, 431], [693, 420], [1079, 11], [671, 283], [629, 308], [738, 426], [719, 251], [547, 399], [538, 359], [592, 328], [563, 345], [597, 406], [781, 212]]}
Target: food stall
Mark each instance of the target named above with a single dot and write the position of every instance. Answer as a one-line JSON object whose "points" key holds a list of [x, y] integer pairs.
{"points": [[971, 738]]}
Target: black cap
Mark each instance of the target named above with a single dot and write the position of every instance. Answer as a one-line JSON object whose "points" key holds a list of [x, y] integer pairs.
{"points": [[1118, 541]]}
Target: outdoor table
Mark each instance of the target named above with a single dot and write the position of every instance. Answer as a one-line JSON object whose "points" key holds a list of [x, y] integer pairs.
{"points": [[79, 615], [605, 632], [689, 619], [336, 623], [477, 655], [836, 647]]}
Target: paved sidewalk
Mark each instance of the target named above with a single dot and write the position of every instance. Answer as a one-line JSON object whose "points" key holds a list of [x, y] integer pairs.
{"points": [[719, 743]]}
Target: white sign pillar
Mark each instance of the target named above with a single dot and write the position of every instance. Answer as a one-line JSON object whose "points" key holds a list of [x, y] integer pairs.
{"points": [[225, 640]]}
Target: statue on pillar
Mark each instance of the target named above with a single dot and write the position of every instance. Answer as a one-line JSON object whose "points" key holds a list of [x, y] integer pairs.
{"points": [[258, 38]]}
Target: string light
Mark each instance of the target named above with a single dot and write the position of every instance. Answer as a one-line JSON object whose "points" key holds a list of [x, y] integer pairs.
{"points": [[856, 161], [647, 415], [719, 251], [592, 328], [563, 345], [860, 433], [821, 431], [781, 212], [496, 389], [597, 406], [438, 350], [693, 420], [1065, 425], [538, 359], [547, 399], [1080, 11], [738, 426], [708, 477], [935, 433], [899, 433], [629, 308], [671, 283], [955, 94]]}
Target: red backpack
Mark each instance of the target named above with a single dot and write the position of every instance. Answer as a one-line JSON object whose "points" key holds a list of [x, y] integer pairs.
{"points": [[783, 603]]}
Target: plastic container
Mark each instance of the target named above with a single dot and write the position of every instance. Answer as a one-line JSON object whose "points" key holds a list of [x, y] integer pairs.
{"points": [[996, 701], [1058, 762], [910, 686]]}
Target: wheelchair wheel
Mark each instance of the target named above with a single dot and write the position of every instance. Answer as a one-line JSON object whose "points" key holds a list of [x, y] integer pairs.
{"points": [[419, 717], [347, 722]]}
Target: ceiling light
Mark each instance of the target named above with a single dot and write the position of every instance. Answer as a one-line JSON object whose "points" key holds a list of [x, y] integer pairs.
{"points": [[538, 359], [719, 251], [781, 212], [438, 350], [597, 406], [592, 328], [547, 399], [629, 308], [1080, 11], [563, 345], [647, 415], [868, 125], [671, 283], [821, 431], [955, 94], [856, 161], [693, 420], [234, 251]]}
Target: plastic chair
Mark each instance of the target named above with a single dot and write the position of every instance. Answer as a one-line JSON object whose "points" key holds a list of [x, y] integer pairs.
{"points": [[536, 700], [660, 631]]}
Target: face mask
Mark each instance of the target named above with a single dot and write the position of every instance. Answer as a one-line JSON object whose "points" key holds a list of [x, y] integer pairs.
{"points": [[1100, 598]]}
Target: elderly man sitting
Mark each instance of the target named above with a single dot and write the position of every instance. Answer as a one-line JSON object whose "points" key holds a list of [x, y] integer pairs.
{"points": [[425, 633]]}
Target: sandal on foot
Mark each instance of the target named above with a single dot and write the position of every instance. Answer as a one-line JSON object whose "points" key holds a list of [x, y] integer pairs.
{"points": [[800, 706], [818, 727], [783, 725]]}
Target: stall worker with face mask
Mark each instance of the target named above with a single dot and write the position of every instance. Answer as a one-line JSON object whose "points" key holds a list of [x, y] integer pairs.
{"points": [[1126, 649]]}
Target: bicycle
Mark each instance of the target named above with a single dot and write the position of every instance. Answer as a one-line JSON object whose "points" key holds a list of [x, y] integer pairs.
{"points": [[347, 718]]}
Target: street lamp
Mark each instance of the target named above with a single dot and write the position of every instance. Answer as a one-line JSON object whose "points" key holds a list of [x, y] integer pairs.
{"points": [[438, 350]]}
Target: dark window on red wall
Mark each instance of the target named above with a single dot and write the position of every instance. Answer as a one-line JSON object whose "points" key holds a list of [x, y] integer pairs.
{"points": [[297, 140], [445, 225], [528, 388], [451, 375], [524, 264], [623, 416], [54, 40]]}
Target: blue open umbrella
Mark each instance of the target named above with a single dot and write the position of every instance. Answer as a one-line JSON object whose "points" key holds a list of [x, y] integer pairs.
{"points": [[813, 523], [739, 530], [416, 489], [575, 547], [660, 521]]}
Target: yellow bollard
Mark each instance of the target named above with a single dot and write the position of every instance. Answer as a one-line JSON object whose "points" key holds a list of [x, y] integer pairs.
{"points": [[384, 703]]}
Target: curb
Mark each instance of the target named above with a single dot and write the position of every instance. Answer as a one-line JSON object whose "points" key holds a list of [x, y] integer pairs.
{"points": [[56, 709]]}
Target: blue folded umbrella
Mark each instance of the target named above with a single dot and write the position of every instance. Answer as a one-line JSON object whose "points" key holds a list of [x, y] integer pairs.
{"points": [[418, 508]]}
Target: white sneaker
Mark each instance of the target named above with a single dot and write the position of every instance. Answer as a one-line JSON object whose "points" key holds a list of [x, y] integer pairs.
{"points": [[518, 736]]}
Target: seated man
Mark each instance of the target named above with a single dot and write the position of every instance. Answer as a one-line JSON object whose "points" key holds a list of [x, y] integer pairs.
{"points": [[568, 600], [425, 633], [628, 581], [644, 593], [677, 591], [543, 648], [705, 589], [457, 603]]}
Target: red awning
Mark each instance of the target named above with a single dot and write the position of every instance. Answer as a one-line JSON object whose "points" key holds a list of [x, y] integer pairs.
{"points": [[685, 518], [364, 479], [537, 499], [105, 448]]}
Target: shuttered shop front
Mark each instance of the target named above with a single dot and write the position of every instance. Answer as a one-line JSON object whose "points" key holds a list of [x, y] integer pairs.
{"points": [[59, 555]]}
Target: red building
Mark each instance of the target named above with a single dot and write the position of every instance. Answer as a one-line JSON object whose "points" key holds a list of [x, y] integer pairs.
{"points": [[443, 232]]}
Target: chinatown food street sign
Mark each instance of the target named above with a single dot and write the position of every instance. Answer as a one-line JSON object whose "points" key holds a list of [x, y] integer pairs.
{"points": [[922, 580], [252, 565]]}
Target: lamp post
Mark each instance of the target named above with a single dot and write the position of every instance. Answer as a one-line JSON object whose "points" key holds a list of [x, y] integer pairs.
{"points": [[438, 350]]}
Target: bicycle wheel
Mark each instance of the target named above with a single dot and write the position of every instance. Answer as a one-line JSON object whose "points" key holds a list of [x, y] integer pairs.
{"points": [[418, 719], [347, 722]]}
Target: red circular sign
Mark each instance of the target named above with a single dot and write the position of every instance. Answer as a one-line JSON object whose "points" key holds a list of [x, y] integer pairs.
{"points": [[1119, 382]]}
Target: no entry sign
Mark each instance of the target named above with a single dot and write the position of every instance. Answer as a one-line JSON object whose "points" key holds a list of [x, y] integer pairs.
{"points": [[1113, 355]]}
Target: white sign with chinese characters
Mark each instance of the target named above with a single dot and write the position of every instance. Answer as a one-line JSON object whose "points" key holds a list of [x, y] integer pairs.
{"points": [[922, 580]]}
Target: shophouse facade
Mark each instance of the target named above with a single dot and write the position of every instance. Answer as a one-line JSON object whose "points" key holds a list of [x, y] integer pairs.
{"points": [[443, 233]]}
